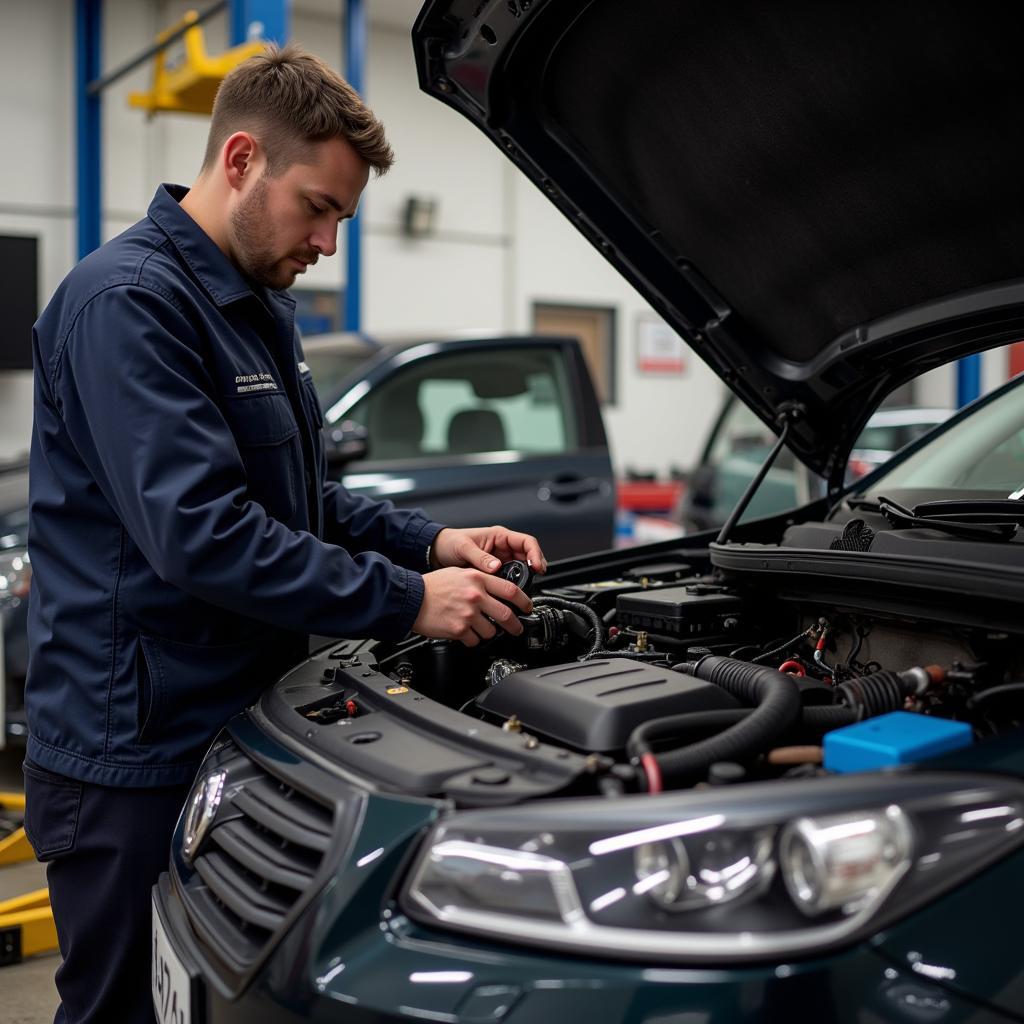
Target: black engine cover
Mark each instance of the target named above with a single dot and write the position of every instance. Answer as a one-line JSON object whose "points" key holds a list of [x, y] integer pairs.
{"points": [[595, 705]]}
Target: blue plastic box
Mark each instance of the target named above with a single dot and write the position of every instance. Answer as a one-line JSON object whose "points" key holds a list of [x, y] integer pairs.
{"points": [[897, 738]]}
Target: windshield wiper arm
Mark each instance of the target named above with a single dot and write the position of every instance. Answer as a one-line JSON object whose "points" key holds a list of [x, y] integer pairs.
{"points": [[855, 504], [968, 527]]}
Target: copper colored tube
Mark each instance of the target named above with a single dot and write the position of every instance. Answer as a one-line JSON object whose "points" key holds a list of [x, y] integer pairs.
{"points": [[795, 755]]}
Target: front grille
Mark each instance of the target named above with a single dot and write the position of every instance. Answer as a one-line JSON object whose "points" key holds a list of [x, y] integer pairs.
{"points": [[261, 856]]}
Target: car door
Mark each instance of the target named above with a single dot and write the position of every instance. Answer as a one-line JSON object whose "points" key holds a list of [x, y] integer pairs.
{"points": [[497, 431]]}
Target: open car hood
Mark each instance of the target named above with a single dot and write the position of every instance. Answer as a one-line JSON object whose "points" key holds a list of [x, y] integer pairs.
{"points": [[822, 199]]}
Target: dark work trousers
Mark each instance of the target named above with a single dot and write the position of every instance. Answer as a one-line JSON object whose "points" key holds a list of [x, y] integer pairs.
{"points": [[104, 848]]}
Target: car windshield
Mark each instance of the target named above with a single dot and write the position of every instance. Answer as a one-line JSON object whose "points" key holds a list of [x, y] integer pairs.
{"points": [[983, 454]]}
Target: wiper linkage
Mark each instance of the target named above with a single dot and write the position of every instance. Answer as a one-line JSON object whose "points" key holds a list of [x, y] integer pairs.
{"points": [[936, 516]]}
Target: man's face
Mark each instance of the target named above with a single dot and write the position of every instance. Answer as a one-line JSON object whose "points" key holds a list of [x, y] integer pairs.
{"points": [[282, 224]]}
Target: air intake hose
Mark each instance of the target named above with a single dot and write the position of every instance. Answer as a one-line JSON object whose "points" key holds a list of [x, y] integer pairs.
{"points": [[776, 701], [742, 732], [815, 720], [585, 612]]}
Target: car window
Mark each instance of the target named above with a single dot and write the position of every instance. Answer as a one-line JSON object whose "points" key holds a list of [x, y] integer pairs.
{"points": [[329, 368], [984, 451], [886, 439], [741, 434], [470, 403]]}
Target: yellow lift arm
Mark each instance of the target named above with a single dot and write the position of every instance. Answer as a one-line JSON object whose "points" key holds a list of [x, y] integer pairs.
{"points": [[26, 922], [189, 87]]}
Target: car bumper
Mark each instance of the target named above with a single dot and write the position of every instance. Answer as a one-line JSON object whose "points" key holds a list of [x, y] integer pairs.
{"points": [[349, 954], [401, 974]]}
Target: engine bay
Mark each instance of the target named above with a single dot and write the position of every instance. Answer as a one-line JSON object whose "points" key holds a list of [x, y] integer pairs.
{"points": [[669, 674]]}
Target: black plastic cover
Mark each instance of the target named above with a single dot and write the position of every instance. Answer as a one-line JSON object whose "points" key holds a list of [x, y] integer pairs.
{"points": [[595, 705], [693, 612]]}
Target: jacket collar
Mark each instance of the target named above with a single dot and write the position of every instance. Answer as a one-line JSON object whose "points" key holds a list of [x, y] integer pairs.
{"points": [[215, 272]]}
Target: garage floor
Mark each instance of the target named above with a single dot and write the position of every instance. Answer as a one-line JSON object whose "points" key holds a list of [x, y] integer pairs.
{"points": [[27, 992]]}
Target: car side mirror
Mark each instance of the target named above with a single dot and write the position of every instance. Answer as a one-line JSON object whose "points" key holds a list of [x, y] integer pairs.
{"points": [[346, 442]]}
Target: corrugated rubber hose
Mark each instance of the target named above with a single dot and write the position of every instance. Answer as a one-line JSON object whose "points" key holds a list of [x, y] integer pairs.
{"points": [[776, 710]]}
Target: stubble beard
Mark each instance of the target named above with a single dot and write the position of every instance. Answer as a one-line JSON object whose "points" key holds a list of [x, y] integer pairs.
{"points": [[254, 241]]}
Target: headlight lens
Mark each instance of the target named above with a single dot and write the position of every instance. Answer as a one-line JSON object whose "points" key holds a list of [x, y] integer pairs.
{"points": [[752, 871], [15, 576], [842, 860]]}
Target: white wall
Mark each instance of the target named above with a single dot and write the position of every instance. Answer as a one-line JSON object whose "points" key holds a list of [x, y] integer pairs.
{"points": [[656, 421], [500, 246], [38, 165]]}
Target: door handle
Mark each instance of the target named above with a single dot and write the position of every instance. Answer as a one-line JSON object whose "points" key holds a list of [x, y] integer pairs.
{"points": [[570, 490]]}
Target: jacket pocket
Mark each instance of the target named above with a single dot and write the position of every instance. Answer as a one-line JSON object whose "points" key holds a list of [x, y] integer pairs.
{"points": [[52, 803], [146, 690], [267, 437], [186, 692]]}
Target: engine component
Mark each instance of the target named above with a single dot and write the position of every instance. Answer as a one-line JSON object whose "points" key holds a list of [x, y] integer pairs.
{"points": [[777, 709], [501, 669], [886, 691], [661, 572], [696, 612], [595, 705], [577, 621], [601, 596], [517, 572], [545, 630], [896, 738], [795, 755]]}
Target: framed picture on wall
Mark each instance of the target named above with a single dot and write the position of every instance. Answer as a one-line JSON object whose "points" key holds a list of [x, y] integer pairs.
{"points": [[659, 350]]}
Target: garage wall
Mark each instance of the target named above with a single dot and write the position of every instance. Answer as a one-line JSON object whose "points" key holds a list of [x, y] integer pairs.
{"points": [[498, 248], [37, 169]]}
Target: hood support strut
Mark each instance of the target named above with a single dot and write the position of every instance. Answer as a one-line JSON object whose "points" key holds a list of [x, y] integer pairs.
{"points": [[790, 412]]}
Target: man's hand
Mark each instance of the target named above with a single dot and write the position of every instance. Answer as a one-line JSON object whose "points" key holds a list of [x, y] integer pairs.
{"points": [[486, 548], [460, 604]]}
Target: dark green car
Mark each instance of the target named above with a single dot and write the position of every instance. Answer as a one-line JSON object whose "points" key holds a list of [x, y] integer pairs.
{"points": [[774, 776]]}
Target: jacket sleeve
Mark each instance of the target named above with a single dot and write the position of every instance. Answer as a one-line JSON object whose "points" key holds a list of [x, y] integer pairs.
{"points": [[359, 523], [141, 408]]}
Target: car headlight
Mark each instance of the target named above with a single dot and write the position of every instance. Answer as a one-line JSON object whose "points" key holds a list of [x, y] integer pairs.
{"points": [[15, 576], [748, 872]]}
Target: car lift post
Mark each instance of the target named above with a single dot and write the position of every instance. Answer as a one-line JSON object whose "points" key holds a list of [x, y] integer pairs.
{"points": [[354, 31], [968, 379], [269, 19]]}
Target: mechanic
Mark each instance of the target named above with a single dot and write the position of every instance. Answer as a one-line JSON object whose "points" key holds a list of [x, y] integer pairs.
{"points": [[183, 537]]}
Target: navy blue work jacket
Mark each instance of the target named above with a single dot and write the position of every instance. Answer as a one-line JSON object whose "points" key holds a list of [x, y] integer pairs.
{"points": [[184, 540]]}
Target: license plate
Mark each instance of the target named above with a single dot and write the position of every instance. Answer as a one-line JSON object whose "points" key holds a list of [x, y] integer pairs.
{"points": [[171, 984]]}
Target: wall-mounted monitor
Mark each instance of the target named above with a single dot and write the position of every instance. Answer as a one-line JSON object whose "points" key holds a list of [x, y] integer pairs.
{"points": [[19, 299]]}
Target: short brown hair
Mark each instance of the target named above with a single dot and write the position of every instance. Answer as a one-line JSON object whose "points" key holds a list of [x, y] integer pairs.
{"points": [[289, 100]]}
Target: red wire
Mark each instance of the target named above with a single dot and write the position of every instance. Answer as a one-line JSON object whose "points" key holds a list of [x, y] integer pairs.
{"points": [[793, 668], [652, 771]]}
